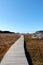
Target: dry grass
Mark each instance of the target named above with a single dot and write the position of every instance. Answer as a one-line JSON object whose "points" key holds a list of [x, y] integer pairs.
{"points": [[6, 40], [35, 49], [34, 46]]}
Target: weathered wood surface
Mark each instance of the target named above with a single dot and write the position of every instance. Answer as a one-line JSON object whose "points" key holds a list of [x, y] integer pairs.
{"points": [[16, 54]]}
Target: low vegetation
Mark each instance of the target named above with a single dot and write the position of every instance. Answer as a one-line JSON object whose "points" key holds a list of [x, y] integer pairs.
{"points": [[6, 40], [33, 46], [35, 49]]}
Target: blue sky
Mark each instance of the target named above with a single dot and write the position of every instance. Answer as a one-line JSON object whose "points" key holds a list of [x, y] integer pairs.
{"points": [[21, 15]]}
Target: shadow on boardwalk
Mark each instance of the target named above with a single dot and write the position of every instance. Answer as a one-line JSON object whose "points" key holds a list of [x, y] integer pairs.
{"points": [[27, 55]]}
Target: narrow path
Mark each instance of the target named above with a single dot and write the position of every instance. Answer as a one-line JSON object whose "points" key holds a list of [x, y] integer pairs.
{"points": [[16, 54]]}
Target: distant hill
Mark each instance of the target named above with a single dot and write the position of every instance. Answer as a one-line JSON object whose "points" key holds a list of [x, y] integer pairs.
{"points": [[41, 31], [5, 32], [38, 34]]}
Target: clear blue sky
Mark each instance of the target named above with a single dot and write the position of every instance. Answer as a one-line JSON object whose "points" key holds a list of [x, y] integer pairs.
{"points": [[21, 15]]}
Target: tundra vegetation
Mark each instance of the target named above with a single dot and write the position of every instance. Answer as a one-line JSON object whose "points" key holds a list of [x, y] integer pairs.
{"points": [[34, 46], [6, 41], [35, 49]]}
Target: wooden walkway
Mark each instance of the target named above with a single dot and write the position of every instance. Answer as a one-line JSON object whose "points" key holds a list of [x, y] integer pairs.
{"points": [[16, 54]]}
